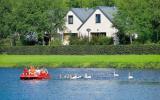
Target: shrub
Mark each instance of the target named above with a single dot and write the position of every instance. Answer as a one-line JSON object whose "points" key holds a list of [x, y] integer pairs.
{"points": [[101, 40], [5, 42], [95, 40], [82, 49], [56, 42], [30, 38], [79, 41]]}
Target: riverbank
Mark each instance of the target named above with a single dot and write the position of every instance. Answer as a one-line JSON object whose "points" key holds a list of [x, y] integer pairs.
{"points": [[82, 61]]}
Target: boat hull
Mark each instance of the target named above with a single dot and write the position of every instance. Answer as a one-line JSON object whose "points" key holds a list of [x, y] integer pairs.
{"points": [[32, 77]]}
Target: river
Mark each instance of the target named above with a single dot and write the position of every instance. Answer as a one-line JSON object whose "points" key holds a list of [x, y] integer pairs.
{"points": [[145, 85]]}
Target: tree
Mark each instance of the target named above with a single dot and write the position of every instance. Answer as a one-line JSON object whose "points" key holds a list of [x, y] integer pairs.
{"points": [[32, 15], [57, 19], [5, 10], [155, 6], [134, 16], [88, 3]]}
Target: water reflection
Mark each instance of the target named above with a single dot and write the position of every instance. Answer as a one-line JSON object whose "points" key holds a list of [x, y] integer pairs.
{"points": [[34, 82]]}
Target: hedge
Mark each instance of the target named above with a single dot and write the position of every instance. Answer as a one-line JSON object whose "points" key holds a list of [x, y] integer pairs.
{"points": [[81, 50]]}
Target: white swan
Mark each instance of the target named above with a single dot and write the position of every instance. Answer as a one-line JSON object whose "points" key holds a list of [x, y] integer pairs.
{"points": [[87, 76], [75, 77], [129, 76], [115, 75]]}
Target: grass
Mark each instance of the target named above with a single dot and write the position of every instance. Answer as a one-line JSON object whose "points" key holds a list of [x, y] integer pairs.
{"points": [[83, 61]]}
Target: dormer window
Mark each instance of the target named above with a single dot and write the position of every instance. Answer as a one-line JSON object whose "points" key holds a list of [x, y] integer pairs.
{"points": [[70, 19], [98, 18]]}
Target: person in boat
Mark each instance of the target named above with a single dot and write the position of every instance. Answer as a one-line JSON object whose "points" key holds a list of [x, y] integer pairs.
{"points": [[38, 71], [32, 70], [46, 71], [43, 71], [25, 71]]}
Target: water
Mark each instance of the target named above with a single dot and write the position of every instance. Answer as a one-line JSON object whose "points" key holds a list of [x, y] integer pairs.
{"points": [[102, 86]]}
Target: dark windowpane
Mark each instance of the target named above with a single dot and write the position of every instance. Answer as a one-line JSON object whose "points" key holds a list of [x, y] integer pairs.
{"points": [[98, 18], [70, 19]]}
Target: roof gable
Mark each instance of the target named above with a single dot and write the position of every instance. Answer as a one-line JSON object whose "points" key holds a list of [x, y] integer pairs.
{"points": [[109, 12], [82, 13], [85, 13]]}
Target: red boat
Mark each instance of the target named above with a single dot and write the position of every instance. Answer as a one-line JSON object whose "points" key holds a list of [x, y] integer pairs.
{"points": [[26, 75]]}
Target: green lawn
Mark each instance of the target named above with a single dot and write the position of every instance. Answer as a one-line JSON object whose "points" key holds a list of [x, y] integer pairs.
{"points": [[116, 61]]}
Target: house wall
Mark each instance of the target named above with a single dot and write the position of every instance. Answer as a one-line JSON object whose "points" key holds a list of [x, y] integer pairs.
{"points": [[72, 28], [104, 26]]}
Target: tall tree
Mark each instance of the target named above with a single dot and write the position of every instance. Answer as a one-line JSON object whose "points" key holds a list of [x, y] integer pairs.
{"points": [[155, 10], [134, 16], [5, 10], [32, 15]]}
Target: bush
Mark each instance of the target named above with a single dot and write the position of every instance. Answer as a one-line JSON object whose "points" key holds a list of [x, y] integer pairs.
{"points": [[82, 50], [56, 42], [95, 40], [5, 42], [78, 41], [31, 38], [101, 40]]}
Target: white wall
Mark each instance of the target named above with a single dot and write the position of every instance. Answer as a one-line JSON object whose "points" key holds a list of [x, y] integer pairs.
{"points": [[72, 28], [104, 26]]}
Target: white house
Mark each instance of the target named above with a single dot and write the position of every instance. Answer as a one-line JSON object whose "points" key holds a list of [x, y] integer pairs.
{"points": [[86, 22]]}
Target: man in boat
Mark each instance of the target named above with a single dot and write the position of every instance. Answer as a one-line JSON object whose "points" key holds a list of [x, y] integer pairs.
{"points": [[38, 71], [25, 71], [32, 70], [43, 72]]}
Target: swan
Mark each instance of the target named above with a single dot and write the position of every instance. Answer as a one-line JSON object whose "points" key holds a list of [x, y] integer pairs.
{"points": [[115, 75], [87, 76], [129, 76], [73, 77], [76, 77]]}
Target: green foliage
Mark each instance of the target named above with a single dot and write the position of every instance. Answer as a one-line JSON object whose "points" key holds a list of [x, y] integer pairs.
{"points": [[5, 42], [56, 42], [101, 40], [138, 16], [155, 6], [31, 15], [79, 41], [95, 40], [5, 24], [56, 17], [89, 3], [82, 49]]}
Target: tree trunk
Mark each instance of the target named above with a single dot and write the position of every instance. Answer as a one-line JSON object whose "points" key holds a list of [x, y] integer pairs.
{"points": [[157, 37], [130, 39], [11, 42]]}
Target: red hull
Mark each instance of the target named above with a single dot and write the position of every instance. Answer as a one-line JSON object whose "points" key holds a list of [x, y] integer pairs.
{"points": [[34, 77]]}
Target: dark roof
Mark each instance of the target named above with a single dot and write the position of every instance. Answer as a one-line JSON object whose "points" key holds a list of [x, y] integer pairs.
{"points": [[82, 13], [109, 12]]}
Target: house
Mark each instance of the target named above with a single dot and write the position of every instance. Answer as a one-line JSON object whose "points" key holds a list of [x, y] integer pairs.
{"points": [[88, 22]]}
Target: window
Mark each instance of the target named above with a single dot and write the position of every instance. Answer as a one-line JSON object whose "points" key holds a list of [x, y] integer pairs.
{"points": [[98, 18], [70, 19]]}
